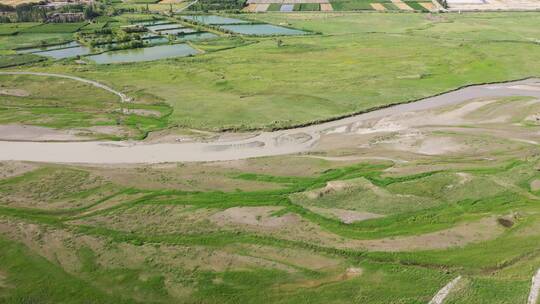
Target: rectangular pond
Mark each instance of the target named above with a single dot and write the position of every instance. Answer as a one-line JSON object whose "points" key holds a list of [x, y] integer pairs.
{"points": [[262, 29], [48, 48], [144, 54], [155, 22], [178, 31], [287, 8], [198, 36], [213, 20], [163, 27], [66, 52]]}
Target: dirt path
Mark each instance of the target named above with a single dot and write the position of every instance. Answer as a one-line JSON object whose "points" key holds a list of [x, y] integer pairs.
{"points": [[123, 97], [444, 292], [264, 144], [535, 289]]}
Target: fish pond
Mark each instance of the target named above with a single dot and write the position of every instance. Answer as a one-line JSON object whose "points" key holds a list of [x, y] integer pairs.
{"points": [[144, 54], [49, 48], [178, 31], [214, 20], [66, 52]]}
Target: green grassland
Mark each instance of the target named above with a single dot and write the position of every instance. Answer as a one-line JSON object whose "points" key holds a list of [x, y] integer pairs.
{"points": [[317, 77], [118, 240], [64, 104]]}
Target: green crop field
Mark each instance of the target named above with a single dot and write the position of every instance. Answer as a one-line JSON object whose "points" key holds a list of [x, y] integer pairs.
{"points": [[55, 28], [386, 208]]}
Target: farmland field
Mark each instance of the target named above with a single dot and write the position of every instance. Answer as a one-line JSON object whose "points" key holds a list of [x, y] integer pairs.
{"points": [[383, 208]]}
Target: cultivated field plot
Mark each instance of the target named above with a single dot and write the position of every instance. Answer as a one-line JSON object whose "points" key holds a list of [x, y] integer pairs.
{"points": [[493, 5], [338, 5], [243, 27]]}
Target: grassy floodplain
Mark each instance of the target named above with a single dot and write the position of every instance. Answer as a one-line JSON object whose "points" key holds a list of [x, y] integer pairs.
{"points": [[163, 234], [360, 61], [277, 229]]}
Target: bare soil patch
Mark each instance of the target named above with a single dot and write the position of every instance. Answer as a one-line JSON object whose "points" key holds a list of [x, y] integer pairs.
{"points": [[297, 257], [155, 219], [378, 7], [14, 92], [535, 185], [3, 280], [34, 133], [457, 236], [189, 177], [13, 168], [326, 7], [260, 217], [345, 216]]}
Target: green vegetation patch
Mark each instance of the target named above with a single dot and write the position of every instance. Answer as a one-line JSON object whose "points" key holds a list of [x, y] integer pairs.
{"points": [[274, 7], [13, 28], [416, 6], [16, 60], [307, 7], [55, 28], [351, 5]]}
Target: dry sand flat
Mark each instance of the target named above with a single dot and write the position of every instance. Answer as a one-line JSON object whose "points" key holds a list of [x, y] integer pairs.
{"points": [[378, 7], [262, 7], [250, 8], [281, 142], [427, 5], [326, 7], [402, 5]]}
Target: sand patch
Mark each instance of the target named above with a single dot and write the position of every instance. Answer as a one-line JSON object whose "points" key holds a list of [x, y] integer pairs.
{"points": [[141, 112], [378, 7], [331, 187], [14, 92], [255, 216], [260, 8], [345, 216], [326, 7], [464, 177], [119, 131], [427, 5], [535, 185], [11, 169], [460, 235], [33, 133], [18, 2], [439, 146], [3, 280], [250, 8], [401, 5]]}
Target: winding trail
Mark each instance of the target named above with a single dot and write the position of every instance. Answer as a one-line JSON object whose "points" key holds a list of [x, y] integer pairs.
{"points": [[264, 144], [444, 292], [123, 97], [535, 289]]}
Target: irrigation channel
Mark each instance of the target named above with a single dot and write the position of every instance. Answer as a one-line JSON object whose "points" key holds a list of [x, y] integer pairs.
{"points": [[280, 142]]}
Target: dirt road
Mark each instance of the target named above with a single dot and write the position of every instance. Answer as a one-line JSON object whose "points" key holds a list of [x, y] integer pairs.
{"points": [[123, 97]]}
